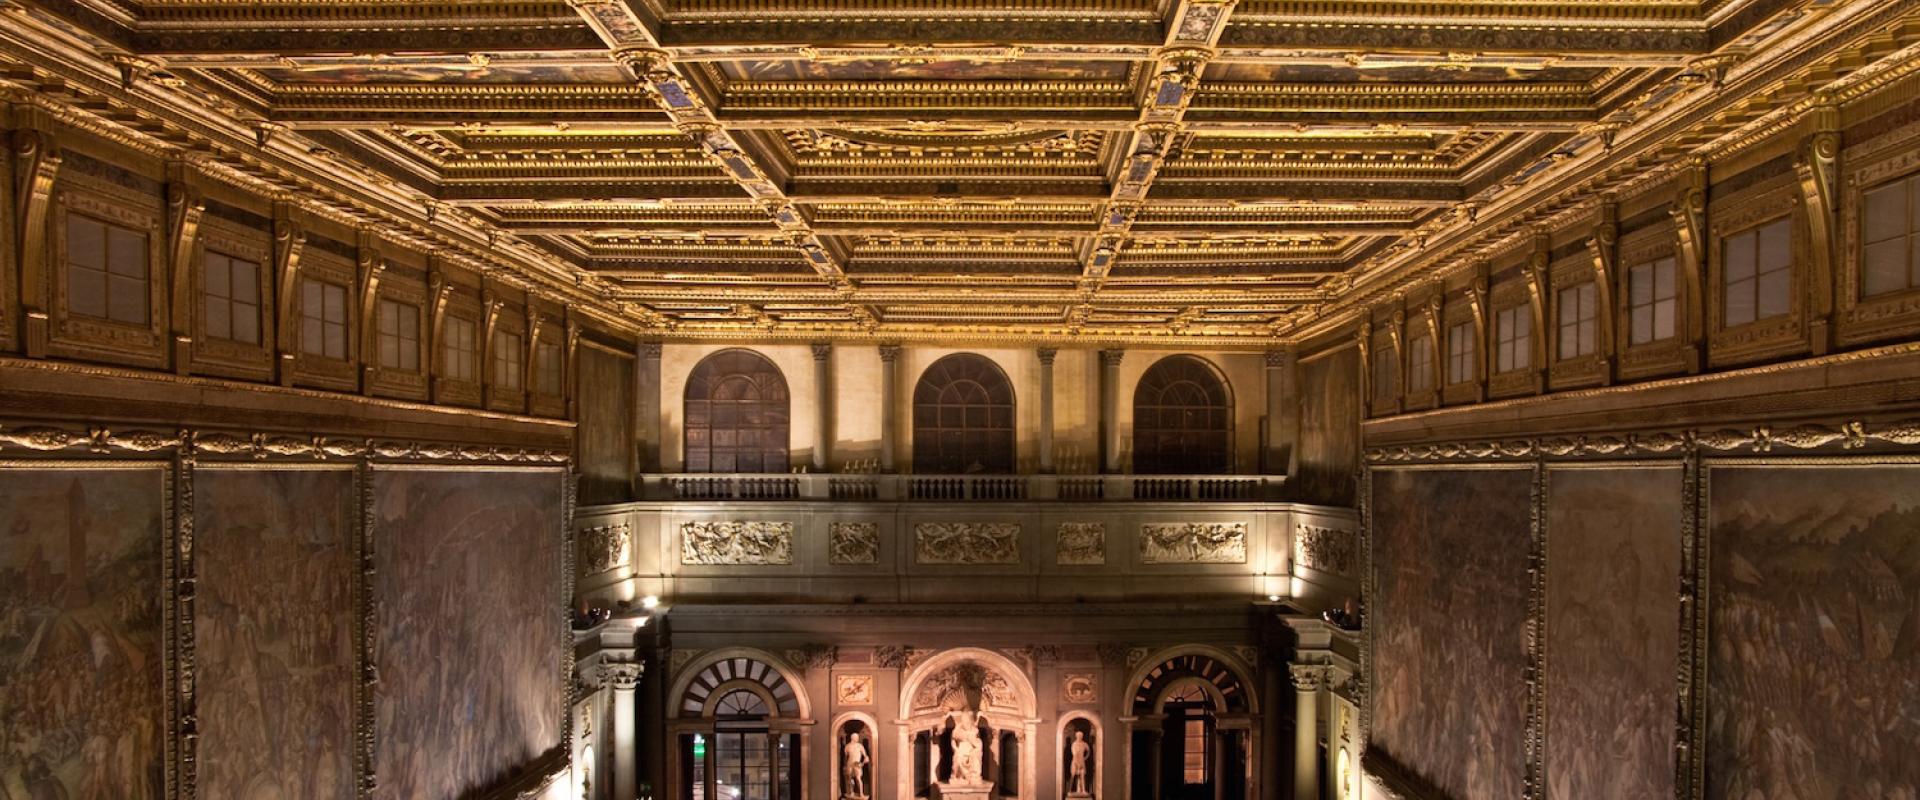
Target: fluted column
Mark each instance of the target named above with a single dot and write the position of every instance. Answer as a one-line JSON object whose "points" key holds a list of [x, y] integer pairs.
{"points": [[1110, 410], [625, 678], [1046, 355], [1283, 411], [823, 404], [1307, 679], [889, 399]]}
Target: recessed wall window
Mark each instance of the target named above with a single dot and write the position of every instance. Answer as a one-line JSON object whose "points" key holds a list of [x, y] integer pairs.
{"points": [[1460, 353], [1386, 368], [509, 361], [323, 319], [1420, 364], [1652, 302], [230, 297], [1579, 320], [459, 349], [1513, 339], [399, 336], [1756, 273], [107, 274], [1890, 238], [548, 370]]}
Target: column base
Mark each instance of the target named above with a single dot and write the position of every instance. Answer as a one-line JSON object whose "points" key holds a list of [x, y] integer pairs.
{"points": [[982, 791]]}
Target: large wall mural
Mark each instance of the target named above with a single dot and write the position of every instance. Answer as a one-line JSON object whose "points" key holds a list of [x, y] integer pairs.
{"points": [[606, 426], [274, 632], [1813, 660], [81, 633], [1329, 448], [1612, 630], [1450, 558], [468, 639]]}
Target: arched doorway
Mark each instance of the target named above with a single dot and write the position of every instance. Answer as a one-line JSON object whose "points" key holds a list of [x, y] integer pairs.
{"points": [[1182, 419], [963, 418], [967, 705], [1194, 730], [737, 730], [736, 414]]}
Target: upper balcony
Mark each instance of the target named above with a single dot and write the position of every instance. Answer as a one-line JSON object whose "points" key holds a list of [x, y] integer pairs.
{"points": [[708, 487]]}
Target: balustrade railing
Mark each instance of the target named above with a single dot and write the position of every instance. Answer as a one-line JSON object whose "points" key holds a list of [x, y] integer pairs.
{"points": [[963, 488]]}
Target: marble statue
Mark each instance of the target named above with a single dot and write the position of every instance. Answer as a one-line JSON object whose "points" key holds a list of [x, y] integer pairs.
{"points": [[1078, 754], [966, 749], [853, 762]]}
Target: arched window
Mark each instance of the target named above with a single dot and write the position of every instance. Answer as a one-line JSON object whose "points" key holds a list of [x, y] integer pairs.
{"points": [[736, 409], [738, 733], [1182, 419], [963, 417]]}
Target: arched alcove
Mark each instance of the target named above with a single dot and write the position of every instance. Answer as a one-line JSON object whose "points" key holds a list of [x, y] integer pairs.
{"points": [[955, 688], [737, 719], [1193, 730]]}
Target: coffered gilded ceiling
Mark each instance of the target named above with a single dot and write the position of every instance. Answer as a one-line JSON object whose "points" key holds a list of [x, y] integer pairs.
{"points": [[1107, 168]]}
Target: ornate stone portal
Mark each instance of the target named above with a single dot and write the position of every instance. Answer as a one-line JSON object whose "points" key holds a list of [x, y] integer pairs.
{"points": [[969, 727]]}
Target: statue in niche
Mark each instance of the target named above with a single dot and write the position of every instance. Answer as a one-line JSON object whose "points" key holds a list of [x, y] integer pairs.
{"points": [[966, 748], [853, 765], [1079, 763]]}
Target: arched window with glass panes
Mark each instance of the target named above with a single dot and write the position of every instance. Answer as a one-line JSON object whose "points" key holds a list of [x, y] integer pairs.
{"points": [[1182, 419], [736, 414], [963, 417]]}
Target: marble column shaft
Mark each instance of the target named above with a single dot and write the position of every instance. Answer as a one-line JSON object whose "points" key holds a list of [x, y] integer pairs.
{"points": [[889, 402], [1046, 355], [823, 405], [1110, 411]]}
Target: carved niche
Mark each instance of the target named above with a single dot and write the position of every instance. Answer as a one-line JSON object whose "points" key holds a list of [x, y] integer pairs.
{"points": [[605, 548], [967, 685], [1193, 543], [736, 543], [1080, 544], [966, 543], [1328, 550], [853, 543]]}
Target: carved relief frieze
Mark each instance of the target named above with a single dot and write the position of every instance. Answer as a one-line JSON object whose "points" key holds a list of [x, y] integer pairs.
{"points": [[732, 543], [604, 548], [1329, 550], [1193, 543], [1079, 688], [970, 543], [1081, 544], [853, 690], [853, 543]]}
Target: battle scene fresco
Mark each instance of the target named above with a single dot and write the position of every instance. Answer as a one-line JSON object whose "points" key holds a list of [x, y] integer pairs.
{"points": [[274, 632], [1449, 613], [1813, 664], [1329, 449], [81, 633], [1613, 636], [606, 427], [468, 628]]}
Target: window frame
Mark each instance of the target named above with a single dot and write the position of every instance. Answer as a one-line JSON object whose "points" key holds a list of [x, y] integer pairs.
{"points": [[1655, 300], [1585, 322], [1909, 238], [234, 305], [1462, 347], [1513, 338], [1786, 270], [401, 335], [508, 360], [327, 326], [459, 364], [108, 271], [1421, 373]]}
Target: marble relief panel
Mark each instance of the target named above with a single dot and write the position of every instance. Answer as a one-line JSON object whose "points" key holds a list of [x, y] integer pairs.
{"points": [[966, 543], [1612, 631], [1449, 610], [853, 543], [736, 543], [604, 548], [1080, 544], [1329, 550], [468, 591], [1193, 543], [81, 634], [274, 632], [1813, 657]]}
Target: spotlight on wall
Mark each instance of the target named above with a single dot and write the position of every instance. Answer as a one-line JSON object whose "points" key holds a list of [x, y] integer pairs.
{"points": [[1273, 598], [650, 602]]}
